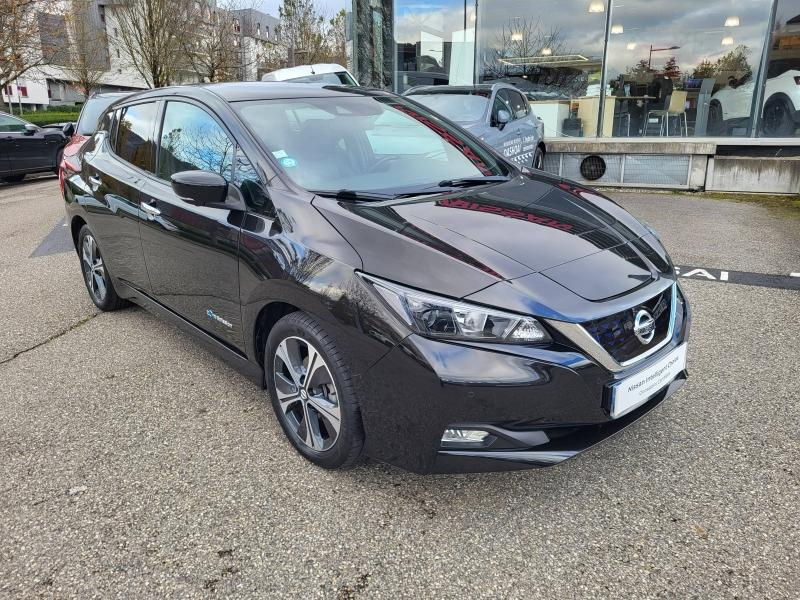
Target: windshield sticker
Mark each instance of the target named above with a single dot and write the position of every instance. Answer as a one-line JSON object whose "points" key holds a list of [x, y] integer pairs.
{"points": [[287, 162], [279, 154]]}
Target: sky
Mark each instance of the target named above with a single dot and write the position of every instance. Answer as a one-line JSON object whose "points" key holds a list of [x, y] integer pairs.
{"points": [[330, 7]]}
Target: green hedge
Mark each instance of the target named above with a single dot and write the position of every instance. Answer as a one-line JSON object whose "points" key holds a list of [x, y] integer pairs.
{"points": [[46, 117]]}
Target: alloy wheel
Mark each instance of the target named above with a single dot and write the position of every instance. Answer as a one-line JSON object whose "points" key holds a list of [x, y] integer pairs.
{"points": [[307, 394], [93, 269]]}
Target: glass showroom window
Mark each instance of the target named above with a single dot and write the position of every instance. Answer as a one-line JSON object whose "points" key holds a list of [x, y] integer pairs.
{"points": [[435, 43], [781, 100], [552, 50], [684, 68]]}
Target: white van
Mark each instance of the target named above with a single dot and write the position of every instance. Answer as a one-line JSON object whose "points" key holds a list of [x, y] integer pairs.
{"points": [[330, 74]]}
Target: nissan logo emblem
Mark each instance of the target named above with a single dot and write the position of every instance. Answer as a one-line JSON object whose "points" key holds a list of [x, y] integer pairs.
{"points": [[644, 326]]}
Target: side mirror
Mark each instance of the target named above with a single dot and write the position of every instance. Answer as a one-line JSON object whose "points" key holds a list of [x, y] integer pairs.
{"points": [[503, 117], [68, 130], [30, 129], [201, 188]]}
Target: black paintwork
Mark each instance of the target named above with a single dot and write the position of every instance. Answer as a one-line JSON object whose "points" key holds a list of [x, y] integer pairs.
{"points": [[34, 150], [535, 244]]}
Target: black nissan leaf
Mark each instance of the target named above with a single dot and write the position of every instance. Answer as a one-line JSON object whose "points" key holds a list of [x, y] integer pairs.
{"points": [[402, 292]]}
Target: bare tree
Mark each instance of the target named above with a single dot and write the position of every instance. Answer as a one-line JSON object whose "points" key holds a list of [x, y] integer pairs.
{"points": [[151, 34], [303, 30], [336, 39], [214, 50], [87, 59], [20, 43]]}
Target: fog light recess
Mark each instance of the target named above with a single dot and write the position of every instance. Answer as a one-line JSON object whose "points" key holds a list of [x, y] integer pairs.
{"points": [[464, 436]]}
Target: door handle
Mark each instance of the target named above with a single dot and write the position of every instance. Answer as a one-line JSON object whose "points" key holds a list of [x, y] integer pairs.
{"points": [[149, 209]]}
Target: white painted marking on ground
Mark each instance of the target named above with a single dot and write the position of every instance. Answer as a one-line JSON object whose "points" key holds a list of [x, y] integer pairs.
{"points": [[700, 273], [794, 274], [723, 276]]}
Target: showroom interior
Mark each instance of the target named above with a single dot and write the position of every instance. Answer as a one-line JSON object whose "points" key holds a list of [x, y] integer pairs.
{"points": [[680, 94]]}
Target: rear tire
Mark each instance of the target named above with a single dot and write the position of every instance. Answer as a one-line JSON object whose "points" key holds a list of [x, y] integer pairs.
{"points": [[716, 124], [777, 120], [96, 277], [312, 392]]}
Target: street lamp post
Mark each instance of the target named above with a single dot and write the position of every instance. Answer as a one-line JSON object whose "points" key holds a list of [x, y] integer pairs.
{"points": [[650, 57]]}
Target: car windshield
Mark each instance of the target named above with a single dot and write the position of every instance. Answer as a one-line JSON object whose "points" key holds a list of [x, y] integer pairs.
{"points": [[338, 78], [90, 115], [365, 143], [459, 107]]}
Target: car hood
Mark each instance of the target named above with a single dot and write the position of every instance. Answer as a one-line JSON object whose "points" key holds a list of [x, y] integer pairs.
{"points": [[459, 243]]}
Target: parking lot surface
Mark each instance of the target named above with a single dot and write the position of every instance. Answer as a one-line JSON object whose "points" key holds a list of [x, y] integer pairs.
{"points": [[134, 464]]}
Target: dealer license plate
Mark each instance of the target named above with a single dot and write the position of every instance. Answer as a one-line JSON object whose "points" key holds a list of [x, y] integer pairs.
{"points": [[639, 388]]}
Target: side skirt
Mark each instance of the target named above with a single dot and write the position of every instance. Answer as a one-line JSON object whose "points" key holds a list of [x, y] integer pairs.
{"points": [[231, 356]]}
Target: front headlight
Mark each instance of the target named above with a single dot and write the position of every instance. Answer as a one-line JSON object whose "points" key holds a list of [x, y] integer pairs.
{"points": [[439, 317]]}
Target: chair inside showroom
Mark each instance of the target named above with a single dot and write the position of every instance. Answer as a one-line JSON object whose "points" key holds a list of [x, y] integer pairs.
{"points": [[675, 108], [622, 117]]}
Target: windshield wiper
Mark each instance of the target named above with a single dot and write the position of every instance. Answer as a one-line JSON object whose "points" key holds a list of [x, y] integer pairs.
{"points": [[469, 181], [353, 195]]}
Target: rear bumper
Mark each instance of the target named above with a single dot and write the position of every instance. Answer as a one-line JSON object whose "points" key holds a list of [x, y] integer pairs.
{"points": [[542, 406]]}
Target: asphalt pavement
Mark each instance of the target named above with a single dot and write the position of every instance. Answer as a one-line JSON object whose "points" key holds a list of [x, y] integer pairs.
{"points": [[134, 464]]}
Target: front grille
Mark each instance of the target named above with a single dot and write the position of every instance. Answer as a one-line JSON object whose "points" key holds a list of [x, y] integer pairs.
{"points": [[615, 333]]}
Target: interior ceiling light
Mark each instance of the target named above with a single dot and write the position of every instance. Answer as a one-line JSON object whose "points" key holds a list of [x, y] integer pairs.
{"points": [[631, 46], [732, 22], [617, 29], [516, 37], [597, 6], [546, 51], [727, 41], [472, 17]]}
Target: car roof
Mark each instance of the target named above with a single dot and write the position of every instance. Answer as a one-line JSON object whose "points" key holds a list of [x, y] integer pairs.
{"points": [[258, 90], [111, 94], [456, 89], [459, 89]]}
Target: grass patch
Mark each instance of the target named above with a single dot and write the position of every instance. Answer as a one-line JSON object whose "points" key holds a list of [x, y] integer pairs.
{"points": [[784, 203]]}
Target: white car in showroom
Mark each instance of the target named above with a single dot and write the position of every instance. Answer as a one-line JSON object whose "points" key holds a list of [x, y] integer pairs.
{"points": [[324, 73], [781, 105]]}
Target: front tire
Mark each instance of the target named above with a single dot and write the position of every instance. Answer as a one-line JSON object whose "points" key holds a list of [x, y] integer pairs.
{"points": [[312, 392], [538, 159], [95, 273]]}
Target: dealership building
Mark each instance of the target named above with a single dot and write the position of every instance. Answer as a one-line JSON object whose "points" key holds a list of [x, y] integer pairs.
{"points": [[684, 94]]}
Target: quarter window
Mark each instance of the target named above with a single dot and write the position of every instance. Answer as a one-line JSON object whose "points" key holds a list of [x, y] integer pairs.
{"points": [[135, 135], [192, 140]]}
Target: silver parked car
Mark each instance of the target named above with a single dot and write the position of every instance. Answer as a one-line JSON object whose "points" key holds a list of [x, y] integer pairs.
{"points": [[497, 113]]}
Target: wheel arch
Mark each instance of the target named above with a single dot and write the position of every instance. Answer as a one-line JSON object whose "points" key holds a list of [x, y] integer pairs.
{"points": [[75, 228], [267, 317]]}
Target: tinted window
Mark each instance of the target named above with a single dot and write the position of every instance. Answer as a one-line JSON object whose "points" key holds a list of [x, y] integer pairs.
{"points": [[381, 144], [469, 106], [192, 140], [518, 103], [11, 124], [94, 107], [500, 103], [135, 135]]}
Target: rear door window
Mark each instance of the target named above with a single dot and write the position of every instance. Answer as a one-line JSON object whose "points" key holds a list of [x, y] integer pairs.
{"points": [[11, 125], [135, 143]]}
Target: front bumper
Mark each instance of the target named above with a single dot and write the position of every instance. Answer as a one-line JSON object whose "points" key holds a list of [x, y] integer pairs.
{"points": [[542, 405]]}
